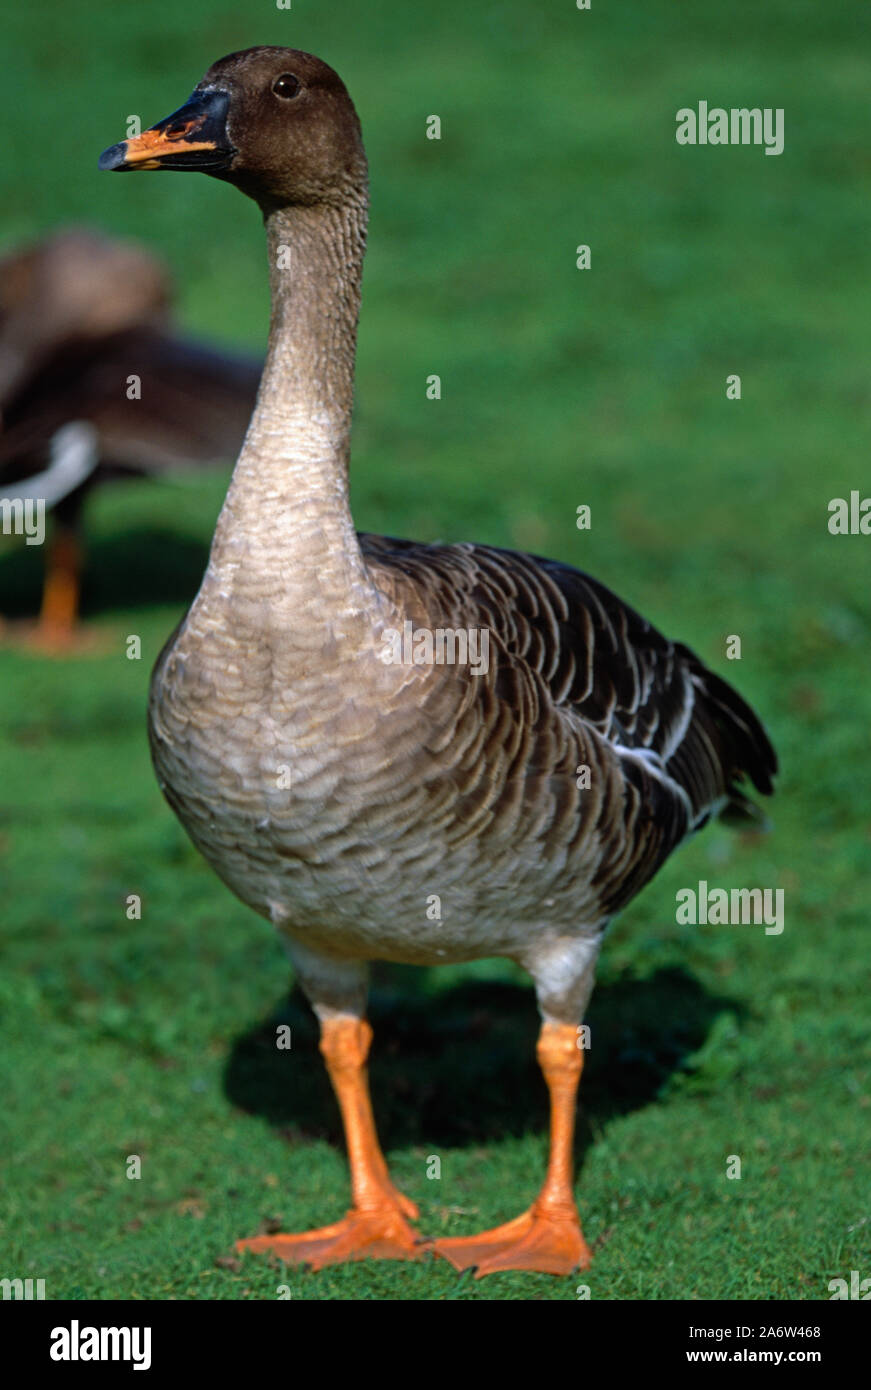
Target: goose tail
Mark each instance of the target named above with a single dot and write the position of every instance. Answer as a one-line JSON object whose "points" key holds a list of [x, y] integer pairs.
{"points": [[743, 748]]}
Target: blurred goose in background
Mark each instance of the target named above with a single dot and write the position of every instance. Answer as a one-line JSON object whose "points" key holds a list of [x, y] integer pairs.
{"points": [[372, 800], [81, 314]]}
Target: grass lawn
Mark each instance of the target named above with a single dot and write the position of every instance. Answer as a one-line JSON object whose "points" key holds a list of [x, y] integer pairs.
{"points": [[560, 387]]}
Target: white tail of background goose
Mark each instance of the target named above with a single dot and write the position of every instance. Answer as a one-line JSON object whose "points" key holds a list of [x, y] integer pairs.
{"points": [[336, 792], [73, 456], [80, 314]]}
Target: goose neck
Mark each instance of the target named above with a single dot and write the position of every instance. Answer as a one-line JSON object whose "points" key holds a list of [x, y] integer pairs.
{"points": [[287, 515]]}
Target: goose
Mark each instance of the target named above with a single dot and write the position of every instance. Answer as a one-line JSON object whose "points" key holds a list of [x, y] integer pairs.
{"points": [[373, 794], [81, 315]]}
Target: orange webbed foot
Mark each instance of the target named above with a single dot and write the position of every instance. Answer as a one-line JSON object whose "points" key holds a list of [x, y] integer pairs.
{"points": [[539, 1240], [381, 1233]]}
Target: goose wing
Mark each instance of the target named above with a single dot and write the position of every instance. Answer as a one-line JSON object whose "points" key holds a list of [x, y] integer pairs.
{"points": [[194, 407], [601, 662]]}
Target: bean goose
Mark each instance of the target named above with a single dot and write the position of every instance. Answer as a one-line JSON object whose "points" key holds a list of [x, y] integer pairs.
{"points": [[335, 769], [80, 315]]}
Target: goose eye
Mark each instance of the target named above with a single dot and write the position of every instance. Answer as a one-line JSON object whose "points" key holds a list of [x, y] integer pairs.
{"points": [[286, 85]]}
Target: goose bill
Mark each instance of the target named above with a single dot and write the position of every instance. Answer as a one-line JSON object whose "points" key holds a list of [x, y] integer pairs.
{"points": [[194, 137]]}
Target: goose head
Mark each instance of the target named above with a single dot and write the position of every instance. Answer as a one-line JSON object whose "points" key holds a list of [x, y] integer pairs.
{"points": [[277, 123]]}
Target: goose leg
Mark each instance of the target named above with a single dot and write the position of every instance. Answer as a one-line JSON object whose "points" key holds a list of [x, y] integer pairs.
{"points": [[60, 595], [548, 1236], [376, 1227]]}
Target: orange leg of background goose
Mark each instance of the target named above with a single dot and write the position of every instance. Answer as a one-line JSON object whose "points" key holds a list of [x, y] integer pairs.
{"points": [[60, 596], [548, 1236], [376, 1227]]}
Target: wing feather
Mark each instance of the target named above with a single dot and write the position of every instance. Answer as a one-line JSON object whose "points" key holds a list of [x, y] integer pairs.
{"points": [[601, 662]]}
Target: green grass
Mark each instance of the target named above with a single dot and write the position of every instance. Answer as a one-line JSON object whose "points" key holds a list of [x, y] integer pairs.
{"points": [[151, 1037]]}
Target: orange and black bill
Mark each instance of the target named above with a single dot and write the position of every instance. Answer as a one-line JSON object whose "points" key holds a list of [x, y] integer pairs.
{"points": [[194, 137]]}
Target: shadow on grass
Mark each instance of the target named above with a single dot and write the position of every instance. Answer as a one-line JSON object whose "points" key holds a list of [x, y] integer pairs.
{"points": [[134, 569], [458, 1067]]}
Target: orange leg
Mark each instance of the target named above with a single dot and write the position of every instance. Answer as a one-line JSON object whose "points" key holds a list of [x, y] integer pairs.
{"points": [[60, 597], [548, 1236], [376, 1227]]}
